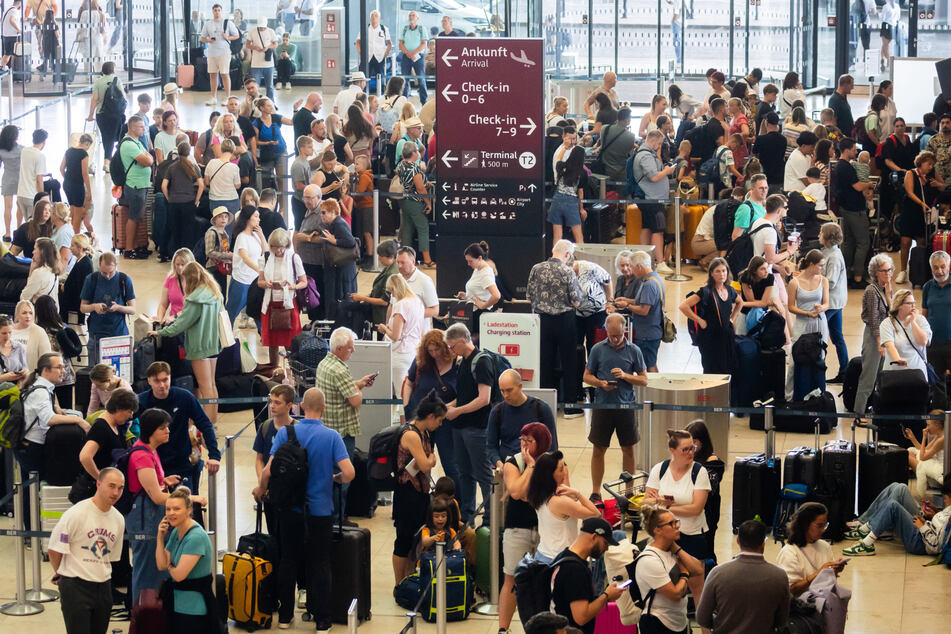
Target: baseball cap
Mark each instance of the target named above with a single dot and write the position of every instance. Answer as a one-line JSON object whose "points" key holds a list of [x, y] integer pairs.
{"points": [[599, 526]]}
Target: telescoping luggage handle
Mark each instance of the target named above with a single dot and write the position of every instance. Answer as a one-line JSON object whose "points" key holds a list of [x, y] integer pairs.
{"points": [[770, 449], [871, 432]]}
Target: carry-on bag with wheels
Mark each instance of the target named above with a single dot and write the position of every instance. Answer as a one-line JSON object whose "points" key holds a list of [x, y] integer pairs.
{"points": [[756, 483]]}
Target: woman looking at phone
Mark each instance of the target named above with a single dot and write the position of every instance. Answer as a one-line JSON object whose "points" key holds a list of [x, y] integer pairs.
{"points": [[806, 553]]}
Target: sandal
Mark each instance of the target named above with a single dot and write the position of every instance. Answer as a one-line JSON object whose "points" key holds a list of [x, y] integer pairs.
{"points": [[429, 265]]}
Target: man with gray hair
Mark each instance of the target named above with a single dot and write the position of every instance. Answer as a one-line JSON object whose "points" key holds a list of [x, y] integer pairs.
{"points": [[342, 394], [654, 180], [554, 292], [615, 366], [470, 416], [936, 307], [646, 308]]}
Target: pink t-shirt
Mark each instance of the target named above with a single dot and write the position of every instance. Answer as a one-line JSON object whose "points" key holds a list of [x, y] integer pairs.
{"points": [[176, 296], [143, 460]]}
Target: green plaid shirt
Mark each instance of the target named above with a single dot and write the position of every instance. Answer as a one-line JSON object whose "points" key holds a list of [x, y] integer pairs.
{"points": [[334, 380]]}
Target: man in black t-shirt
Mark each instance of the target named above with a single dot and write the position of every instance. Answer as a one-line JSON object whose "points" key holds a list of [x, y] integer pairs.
{"points": [[270, 219], [572, 590], [469, 416], [771, 150], [853, 211]]}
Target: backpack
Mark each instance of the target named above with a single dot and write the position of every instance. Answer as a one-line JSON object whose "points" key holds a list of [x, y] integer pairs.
{"points": [[723, 217], [859, 133], [799, 208], [113, 101], [709, 173], [740, 251], [120, 460], [693, 328], [13, 427], [770, 332], [68, 342], [499, 365], [388, 115], [117, 172], [634, 189], [143, 355], [234, 45], [199, 249], [382, 457], [793, 495], [700, 142], [289, 468], [534, 581], [880, 151]]}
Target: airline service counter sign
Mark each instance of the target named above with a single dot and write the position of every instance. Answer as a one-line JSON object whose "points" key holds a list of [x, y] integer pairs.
{"points": [[490, 136]]}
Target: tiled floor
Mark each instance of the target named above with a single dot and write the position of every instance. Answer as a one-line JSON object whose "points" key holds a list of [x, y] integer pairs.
{"points": [[892, 592]]}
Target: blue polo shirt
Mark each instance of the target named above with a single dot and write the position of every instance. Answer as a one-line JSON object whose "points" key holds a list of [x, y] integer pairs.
{"points": [[325, 449], [603, 359], [937, 301], [648, 327]]}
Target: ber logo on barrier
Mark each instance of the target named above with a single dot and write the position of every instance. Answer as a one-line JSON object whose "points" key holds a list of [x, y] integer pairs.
{"points": [[489, 177]]}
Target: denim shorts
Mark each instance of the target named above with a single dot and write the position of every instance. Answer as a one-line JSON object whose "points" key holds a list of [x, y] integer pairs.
{"points": [[134, 198], [564, 210]]}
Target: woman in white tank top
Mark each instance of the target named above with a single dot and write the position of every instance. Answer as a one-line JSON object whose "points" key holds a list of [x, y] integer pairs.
{"points": [[558, 506]]}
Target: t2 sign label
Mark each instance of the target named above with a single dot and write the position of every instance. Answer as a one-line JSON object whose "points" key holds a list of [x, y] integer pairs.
{"points": [[489, 145]]}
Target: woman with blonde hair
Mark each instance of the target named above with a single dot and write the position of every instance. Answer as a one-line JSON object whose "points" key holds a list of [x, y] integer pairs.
{"points": [[70, 290], [29, 333], [407, 112], [281, 277], [404, 328], [223, 178], [62, 235], [199, 321], [173, 288], [44, 273], [226, 127], [905, 335], [340, 145]]}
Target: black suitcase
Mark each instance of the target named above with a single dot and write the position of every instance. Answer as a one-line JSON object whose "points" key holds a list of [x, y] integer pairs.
{"points": [[907, 393], [743, 387], [837, 485], [361, 495], [6, 481], [756, 485], [850, 383], [349, 569], [773, 375], [235, 386], [82, 391], [64, 70], [919, 271], [880, 464], [202, 80], [802, 464], [61, 454], [801, 424]]}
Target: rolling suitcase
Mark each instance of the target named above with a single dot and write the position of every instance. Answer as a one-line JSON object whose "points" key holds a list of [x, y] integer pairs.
{"points": [[837, 485], [482, 573], [202, 81], [61, 454], [880, 464], [802, 465], [632, 221], [941, 241], [349, 568], [903, 392], [803, 424], [82, 390], [743, 387], [120, 215], [608, 621], [459, 595], [259, 544], [148, 614], [756, 484], [773, 372], [919, 270], [361, 495], [850, 383], [248, 582]]}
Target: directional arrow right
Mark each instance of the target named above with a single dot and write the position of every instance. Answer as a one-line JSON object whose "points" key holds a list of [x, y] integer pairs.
{"points": [[446, 56], [448, 158]]}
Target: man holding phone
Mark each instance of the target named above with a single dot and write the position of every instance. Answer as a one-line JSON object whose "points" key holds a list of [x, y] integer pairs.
{"points": [[615, 366], [218, 33], [107, 297]]}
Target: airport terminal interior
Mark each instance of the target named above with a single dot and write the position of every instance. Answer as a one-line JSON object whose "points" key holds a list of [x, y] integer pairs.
{"points": [[649, 45]]}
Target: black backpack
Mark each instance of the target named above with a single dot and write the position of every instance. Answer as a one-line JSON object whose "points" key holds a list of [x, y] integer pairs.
{"points": [[723, 217], [117, 171], [289, 468], [113, 101], [499, 365], [120, 460], [700, 142], [68, 342], [533, 586], [382, 458], [800, 209], [234, 45], [740, 251], [770, 332]]}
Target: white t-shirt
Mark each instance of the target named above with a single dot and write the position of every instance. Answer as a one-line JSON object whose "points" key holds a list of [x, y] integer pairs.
{"points": [[817, 191], [10, 15], [376, 38], [89, 541], [225, 179], [240, 271], [479, 282], [800, 563], [411, 310], [796, 166], [763, 237], [682, 490], [216, 29], [891, 330], [345, 98], [424, 288], [262, 37], [653, 571], [319, 147], [32, 162], [705, 226]]}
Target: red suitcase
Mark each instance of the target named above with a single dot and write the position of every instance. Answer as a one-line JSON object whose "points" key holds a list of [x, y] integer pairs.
{"points": [[609, 621], [148, 615], [120, 214], [942, 241]]}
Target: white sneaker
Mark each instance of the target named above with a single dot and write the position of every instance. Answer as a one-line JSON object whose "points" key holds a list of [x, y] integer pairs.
{"points": [[212, 102], [284, 626], [225, 102], [901, 278], [663, 269], [277, 86], [287, 86]]}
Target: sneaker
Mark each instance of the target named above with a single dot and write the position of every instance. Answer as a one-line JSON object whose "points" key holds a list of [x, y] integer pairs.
{"points": [[859, 550], [284, 626], [663, 269], [105, 165], [324, 626], [595, 498], [901, 278], [133, 255], [855, 534], [277, 85], [287, 86], [212, 102], [302, 599], [573, 412], [851, 524]]}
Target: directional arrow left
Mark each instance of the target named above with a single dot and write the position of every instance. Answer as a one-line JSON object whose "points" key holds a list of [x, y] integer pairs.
{"points": [[445, 214], [448, 158], [446, 56], [445, 200], [445, 186], [446, 92]]}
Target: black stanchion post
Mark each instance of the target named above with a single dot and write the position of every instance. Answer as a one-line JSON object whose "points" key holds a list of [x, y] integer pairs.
{"points": [[441, 587], [677, 276], [649, 408]]}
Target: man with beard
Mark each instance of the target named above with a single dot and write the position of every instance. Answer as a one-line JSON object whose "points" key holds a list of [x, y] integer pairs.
{"points": [[573, 590], [940, 144], [936, 307]]}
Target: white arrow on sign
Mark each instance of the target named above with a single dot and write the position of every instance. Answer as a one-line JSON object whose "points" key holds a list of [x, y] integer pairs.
{"points": [[448, 158], [445, 200], [446, 57], [530, 125], [533, 187], [445, 186], [445, 214], [446, 92]]}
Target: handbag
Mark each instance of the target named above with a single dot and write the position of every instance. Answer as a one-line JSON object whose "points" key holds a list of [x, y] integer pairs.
{"points": [[279, 318], [268, 52], [597, 165], [340, 256], [396, 187], [225, 331], [307, 297], [933, 378], [668, 330]]}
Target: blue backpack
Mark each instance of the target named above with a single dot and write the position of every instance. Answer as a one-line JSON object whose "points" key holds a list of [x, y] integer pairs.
{"points": [[633, 185], [710, 169]]}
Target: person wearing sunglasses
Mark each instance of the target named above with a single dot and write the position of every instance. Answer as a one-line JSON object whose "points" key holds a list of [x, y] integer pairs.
{"points": [[681, 485]]}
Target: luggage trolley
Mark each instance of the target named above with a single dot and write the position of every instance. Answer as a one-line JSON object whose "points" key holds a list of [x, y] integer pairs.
{"points": [[625, 507]]}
